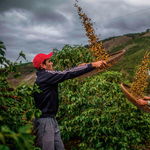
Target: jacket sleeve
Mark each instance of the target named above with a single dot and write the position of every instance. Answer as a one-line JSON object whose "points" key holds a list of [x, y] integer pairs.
{"points": [[53, 77]]}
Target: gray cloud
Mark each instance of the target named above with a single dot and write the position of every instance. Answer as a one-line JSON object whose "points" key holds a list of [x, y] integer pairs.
{"points": [[36, 26]]}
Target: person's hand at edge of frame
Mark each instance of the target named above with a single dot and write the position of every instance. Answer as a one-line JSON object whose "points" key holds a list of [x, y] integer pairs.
{"points": [[146, 98], [141, 102]]}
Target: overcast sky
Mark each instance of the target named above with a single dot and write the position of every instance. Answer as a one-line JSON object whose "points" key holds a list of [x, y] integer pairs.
{"points": [[38, 26]]}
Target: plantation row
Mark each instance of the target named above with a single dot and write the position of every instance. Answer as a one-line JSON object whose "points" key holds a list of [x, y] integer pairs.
{"points": [[93, 112]]}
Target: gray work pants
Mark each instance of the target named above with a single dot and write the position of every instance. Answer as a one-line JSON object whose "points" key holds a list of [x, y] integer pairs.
{"points": [[48, 134]]}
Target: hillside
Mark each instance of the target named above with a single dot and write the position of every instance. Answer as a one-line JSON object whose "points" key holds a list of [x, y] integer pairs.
{"points": [[135, 51], [135, 45], [147, 34], [116, 42], [27, 72], [91, 110]]}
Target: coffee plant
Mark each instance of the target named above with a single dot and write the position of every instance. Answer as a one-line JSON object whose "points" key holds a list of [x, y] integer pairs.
{"points": [[70, 57], [93, 112], [16, 109], [95, 115]]}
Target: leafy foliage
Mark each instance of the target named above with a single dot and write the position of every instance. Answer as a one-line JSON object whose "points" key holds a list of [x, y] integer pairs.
{"points": [[16, 109], [94, 114], [70, 57]]}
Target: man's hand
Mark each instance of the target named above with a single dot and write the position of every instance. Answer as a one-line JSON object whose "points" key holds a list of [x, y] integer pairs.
{"points": [[146, 98], [99, 64], [141, 102]]}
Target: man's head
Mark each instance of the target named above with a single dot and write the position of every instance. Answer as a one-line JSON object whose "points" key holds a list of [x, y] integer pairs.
{"points": [[42, 61]]}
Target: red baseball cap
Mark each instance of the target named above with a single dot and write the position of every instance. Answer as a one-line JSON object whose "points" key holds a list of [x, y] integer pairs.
{"points": [[39, 58]]}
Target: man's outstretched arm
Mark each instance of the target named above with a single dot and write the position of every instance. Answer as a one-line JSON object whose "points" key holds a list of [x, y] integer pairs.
{"points": [[97, 64], [53, 77]]}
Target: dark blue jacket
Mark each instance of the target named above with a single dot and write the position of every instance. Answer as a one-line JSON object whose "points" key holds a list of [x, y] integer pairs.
{"points": [[47, 99]]}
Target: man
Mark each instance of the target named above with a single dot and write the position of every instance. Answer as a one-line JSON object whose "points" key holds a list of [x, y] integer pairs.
{"points": [[144, 101], [47, 79]]}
